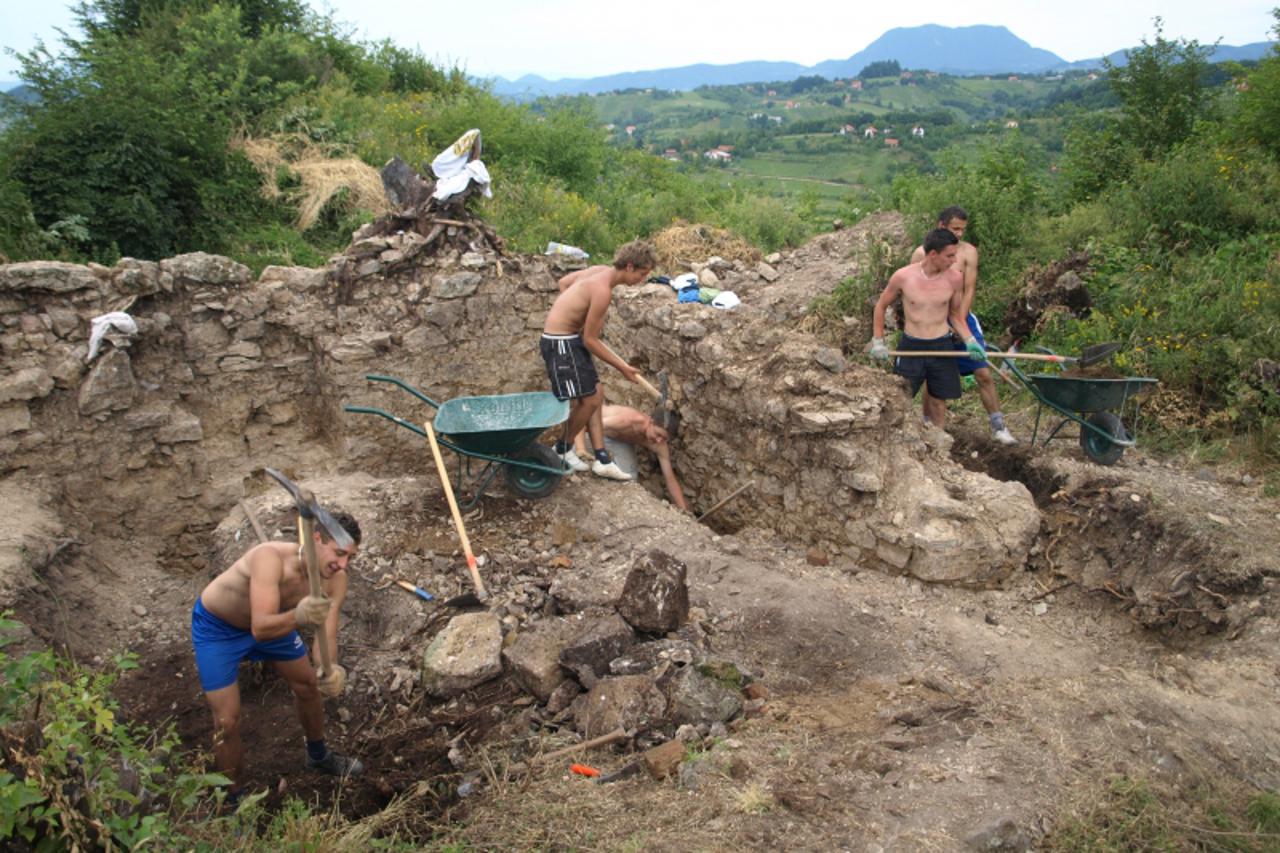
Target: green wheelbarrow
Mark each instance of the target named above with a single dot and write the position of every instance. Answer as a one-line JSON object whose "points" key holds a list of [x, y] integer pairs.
{"points": [[502, 430], [1095, 404]]}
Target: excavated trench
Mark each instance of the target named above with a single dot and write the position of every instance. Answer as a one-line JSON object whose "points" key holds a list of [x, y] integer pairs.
{"points": [[1102, 534], [125, 478]]}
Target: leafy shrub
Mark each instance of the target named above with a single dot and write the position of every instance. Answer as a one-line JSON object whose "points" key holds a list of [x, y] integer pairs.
{"points": [[1192, 198], [78, 776]]}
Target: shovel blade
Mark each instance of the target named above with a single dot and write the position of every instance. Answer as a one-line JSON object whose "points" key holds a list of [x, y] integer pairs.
{"points": [[1095, 353]]}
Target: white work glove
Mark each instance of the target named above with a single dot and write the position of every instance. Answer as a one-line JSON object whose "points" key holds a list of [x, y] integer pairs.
{"points": [[333, 683], [311, 612], [878, 349]]}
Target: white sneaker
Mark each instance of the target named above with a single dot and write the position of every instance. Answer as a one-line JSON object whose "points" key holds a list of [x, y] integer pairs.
{"points": [[610, 471], [1003, 436], [572, 461]]}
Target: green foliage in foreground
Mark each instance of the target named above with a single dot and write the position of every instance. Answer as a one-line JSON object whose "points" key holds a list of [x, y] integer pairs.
{"points": [[1133, 814], [72, 774], [75, 776]]}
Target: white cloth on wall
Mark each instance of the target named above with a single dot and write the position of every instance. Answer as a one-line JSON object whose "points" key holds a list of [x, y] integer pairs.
{"points": [[454, 169], [117, 320]]}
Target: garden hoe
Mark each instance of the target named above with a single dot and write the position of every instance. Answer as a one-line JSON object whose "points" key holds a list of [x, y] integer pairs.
{"points": [[309, 512]]}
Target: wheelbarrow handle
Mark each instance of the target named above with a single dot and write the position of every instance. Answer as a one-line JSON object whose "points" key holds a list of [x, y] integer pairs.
{"points": [[368, 410], [375, 377]]}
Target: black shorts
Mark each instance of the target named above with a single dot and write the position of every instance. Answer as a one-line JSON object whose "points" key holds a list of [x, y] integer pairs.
{"points": [[569, 366], [941, 375]]}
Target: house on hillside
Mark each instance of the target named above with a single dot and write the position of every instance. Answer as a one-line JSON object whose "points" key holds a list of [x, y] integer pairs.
{"points": [[1013, 78], [870, 132], [776, 119], [1011, 124], [890, 142], [847, 130], [671, 154], [715, 155], [905, 75], [918, 131], [631, 130], [728, 149], [855, 84], [772, 93]]}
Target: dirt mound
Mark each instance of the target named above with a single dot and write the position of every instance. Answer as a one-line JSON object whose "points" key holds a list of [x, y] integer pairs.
{"points": [[1048, 290]]}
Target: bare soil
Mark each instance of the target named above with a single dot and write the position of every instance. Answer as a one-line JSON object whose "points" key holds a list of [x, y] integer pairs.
{"points": [[1141, 639]]}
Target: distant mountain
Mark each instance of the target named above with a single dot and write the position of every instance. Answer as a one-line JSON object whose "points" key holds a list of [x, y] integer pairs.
{"points": [[676, 79], [978, 49], [23, 93], [962, 51]]}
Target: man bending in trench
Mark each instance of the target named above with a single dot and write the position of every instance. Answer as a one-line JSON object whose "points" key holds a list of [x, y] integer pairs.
{"points": [[625, 427], [252, 611]]}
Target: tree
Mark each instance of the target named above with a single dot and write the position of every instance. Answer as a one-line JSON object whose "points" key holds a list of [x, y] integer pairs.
{"points": [[1259, 103], [883, 68], [1161, 92]]}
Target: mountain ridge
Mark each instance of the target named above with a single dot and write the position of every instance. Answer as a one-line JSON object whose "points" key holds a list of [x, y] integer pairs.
{"points": [[962, 51]]}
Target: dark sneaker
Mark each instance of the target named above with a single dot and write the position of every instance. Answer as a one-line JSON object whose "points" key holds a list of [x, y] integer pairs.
{"points": [[336, 765]]}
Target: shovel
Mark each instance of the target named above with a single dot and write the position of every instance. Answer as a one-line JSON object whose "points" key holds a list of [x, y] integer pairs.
{"points": [[480, 594], [1089, 355]]}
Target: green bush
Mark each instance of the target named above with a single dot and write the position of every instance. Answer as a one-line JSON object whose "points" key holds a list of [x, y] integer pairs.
{"points": [[72, 773], [1196, 197]]}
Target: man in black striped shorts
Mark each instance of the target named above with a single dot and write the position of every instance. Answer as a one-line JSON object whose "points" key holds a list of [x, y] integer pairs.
{"points": [[571, 336]]}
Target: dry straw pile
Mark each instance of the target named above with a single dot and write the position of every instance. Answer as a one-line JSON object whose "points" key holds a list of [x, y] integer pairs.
{"points": [[321, 177], [682, 245]]}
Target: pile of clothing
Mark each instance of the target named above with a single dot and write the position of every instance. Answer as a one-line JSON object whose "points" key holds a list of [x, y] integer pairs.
{"points": [[688, 290]]}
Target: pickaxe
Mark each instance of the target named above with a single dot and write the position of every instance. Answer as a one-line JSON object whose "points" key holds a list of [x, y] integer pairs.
{"points": [[309, 512]]}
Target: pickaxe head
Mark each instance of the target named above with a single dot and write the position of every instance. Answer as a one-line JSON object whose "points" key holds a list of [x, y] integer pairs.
{"points": [[309, 508]]}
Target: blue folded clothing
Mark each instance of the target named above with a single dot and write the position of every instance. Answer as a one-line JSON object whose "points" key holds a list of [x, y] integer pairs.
{"points": [[689, 294]]}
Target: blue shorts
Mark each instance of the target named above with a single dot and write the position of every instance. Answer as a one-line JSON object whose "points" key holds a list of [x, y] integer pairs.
{"points": [[968, 365], [220, 647]]}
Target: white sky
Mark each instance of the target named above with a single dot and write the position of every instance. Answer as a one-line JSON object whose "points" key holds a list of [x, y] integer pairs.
{"points": [[588, 38]]}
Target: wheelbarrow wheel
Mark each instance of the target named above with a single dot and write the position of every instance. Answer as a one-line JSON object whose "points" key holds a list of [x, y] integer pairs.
{"points": [[529, 482], [1102, 449]]}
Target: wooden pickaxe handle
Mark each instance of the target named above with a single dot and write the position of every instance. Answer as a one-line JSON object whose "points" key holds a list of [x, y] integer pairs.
{"points": [[306, 535], [648, 386]]}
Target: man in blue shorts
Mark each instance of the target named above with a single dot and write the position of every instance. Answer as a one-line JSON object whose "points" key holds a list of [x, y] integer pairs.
{"points": [[931, 301], [956, 220], [252, 611]]}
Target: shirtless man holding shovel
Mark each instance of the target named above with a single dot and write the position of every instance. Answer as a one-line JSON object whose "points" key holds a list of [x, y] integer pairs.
{"points": [[252, 611], [571, 336], [932, 294]]}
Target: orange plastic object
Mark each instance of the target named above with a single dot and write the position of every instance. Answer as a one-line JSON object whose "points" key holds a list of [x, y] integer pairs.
{"points": [[583, 770]]}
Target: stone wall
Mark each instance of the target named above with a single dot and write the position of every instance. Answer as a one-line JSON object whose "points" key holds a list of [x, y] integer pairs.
{"points": [[162, 433]]}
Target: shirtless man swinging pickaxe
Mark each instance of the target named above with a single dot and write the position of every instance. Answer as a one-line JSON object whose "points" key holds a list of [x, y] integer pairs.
{"points": [[253, 610]]}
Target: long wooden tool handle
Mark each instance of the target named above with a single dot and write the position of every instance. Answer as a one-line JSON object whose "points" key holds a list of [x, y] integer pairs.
{"points": [[648, 386], [604, 740], [1032, 356], [724, 500], [453, 508], [306, 536]]}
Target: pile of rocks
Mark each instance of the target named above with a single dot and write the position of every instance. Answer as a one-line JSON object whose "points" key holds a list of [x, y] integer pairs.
{"points": [[643, 666]]}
